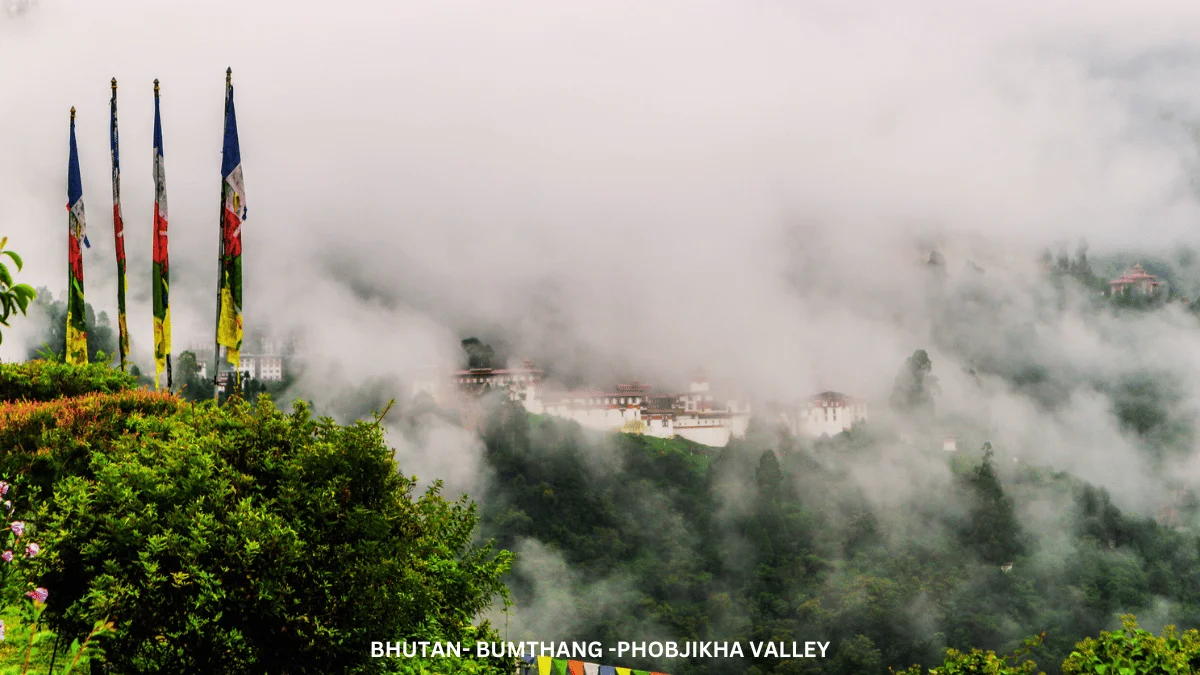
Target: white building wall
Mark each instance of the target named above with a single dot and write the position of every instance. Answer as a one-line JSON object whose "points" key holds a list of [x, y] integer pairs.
{"points": [[826, 420], [622, 412], [714, 435], [739, 423], [598, 418], [661, 428], [270, 368], [532, 401]]}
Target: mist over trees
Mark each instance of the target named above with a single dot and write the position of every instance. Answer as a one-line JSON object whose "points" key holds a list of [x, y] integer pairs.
{"points": [[773, 539], [51, 316], [915, 386]]}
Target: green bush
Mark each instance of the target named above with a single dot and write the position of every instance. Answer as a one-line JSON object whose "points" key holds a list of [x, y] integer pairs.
{"points": [[1133, 651], [1130, 651], [40, 442], [49, 380], [239, 539]]}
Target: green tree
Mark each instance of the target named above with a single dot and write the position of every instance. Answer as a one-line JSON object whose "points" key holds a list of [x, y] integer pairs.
{"points": [[479, 355], [858, 655], [101, 338], [915, 385], [187, 368], [236, 539], [768, 475], [14, 297], [980, 662], [992, 530], [192, 387]]}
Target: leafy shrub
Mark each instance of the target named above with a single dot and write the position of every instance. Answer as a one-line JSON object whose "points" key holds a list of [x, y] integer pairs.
{"points": [[239, 539], [24, 640], [14, 297], [49, 380], [43, 441], [1133, 651]]}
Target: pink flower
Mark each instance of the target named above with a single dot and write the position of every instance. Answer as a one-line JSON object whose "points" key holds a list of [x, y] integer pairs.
{"points": [[3, 488], [32, 550], [1, 631], [38, 594], [18, 528], [7, 556]]}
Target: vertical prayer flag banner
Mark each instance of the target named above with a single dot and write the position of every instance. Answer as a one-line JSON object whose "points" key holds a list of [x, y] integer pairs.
{"points": [[543, 664], [560, 666], [233, 215], [76, 344], [118, 229], [161, 275], [591, 669], [575, 667]]}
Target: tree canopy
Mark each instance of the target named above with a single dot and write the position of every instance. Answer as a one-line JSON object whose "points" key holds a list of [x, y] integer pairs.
{"points": [[237, 539]]}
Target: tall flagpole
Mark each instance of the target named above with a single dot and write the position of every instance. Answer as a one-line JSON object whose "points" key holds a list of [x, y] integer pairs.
{"points": [[75, 349], [220, 253], [67, 354], [118, 231], [161, 267]]}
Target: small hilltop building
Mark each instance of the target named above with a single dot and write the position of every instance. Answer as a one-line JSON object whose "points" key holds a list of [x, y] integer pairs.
{"points": [[826, 414], [1135, 282]]}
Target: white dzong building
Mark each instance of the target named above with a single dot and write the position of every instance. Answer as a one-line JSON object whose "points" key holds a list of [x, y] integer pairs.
{"points": [[826, 414], [627, 408]]}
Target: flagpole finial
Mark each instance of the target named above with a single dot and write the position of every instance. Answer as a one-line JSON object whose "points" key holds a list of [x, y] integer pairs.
{"points": [[156, 88], [72, 113], [229, 75], [114, 84]]}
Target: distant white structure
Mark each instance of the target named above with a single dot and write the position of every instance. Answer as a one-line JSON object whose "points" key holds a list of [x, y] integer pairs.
{"points": [[826, 414], [520, 383], [262, 358], [262, 367], [630, 408], [950, 444]]}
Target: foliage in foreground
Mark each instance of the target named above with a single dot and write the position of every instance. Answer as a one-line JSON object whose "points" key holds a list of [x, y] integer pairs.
{"points": [[236, 539], [1129, 651], [26, 645], [48, 380], [14, 297]]}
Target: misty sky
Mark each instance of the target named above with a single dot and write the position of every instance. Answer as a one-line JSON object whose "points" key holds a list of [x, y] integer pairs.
{"points": [[741, 185]]}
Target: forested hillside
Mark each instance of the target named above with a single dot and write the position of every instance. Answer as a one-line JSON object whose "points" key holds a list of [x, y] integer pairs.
{"points": [[770, 539]]}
